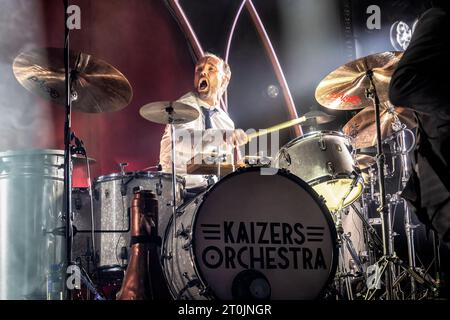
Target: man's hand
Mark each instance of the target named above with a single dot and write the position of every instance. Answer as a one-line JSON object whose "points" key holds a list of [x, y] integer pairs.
{"points": [[236, 137]]}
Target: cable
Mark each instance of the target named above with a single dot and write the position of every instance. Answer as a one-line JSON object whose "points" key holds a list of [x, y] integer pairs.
{"points": [[91, 204]]}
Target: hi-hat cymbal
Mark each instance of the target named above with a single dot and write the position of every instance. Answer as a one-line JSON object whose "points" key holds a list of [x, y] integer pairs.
{"points": [[345, 87], [159, 112], [362, 127], [79, 160], [96, 85], [317, 117]]}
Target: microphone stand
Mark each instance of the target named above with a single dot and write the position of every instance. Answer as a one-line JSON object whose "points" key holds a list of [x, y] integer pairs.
{"points": [[67, 149]]}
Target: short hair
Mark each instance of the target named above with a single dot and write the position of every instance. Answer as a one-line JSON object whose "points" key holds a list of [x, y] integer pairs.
{"points": [[226, 66]]}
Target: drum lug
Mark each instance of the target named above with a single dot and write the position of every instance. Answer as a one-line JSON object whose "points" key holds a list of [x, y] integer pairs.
{"points": [[205, 292], [179, 212], [167, 256], [322, 144], [330, 168], [183, 233], [322, 199], [187, 245], [285, 155], [159, 187]]}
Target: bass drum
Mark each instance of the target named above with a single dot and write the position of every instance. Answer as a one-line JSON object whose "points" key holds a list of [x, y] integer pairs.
{"points": [[259, 233]]}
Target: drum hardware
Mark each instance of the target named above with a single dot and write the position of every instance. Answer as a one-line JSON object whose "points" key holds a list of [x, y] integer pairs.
{"points": [[345, 242], [191, 283], [257, 161], [375, 241], [402, 150], [122, 166], [158, 168], [90, 286], [78, 152]]}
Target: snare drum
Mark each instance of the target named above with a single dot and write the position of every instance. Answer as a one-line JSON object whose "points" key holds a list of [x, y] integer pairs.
{"points": [[251, 236], [323, 159], [113, 194]]}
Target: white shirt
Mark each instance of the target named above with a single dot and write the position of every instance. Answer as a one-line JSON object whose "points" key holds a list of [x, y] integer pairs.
{"points": [[204, 141]]}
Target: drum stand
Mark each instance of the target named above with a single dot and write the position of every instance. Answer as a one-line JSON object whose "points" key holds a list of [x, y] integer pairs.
{"points": [[170, 111], [344, 241], [389, 259], [415, 278]]}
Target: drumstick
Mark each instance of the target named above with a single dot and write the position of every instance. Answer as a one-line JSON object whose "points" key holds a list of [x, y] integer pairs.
{"points": [[278, 127]]}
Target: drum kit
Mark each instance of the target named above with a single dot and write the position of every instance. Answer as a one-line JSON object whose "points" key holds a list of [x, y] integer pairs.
{"points": [[309, 230]]}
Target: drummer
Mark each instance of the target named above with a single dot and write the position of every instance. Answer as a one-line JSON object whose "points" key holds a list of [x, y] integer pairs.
{"points": [[212, 131]]}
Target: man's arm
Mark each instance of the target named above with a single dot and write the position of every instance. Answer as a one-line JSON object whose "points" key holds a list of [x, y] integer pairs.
{"points": [[417, 82]]}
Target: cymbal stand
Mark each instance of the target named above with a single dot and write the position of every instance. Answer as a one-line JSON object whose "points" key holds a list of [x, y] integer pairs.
{"points": [[67, 149], [415, 278], [371, 93], [169, 111], [409, 226]]}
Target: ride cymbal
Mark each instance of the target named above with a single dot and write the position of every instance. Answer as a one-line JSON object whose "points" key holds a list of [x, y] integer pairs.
{"points": [[96, 85]]}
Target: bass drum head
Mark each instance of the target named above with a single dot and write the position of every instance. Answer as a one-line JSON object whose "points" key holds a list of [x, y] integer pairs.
{"points": [[264, 237]]}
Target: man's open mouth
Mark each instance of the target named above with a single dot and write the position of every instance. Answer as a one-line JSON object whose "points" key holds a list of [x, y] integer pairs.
{"points": [[203, 85]]}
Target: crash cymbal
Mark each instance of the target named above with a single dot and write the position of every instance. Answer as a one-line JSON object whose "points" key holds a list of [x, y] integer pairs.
{"points": [[97, 86], [345, 87], [158, 112], [316, 117], [362, 128]]}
